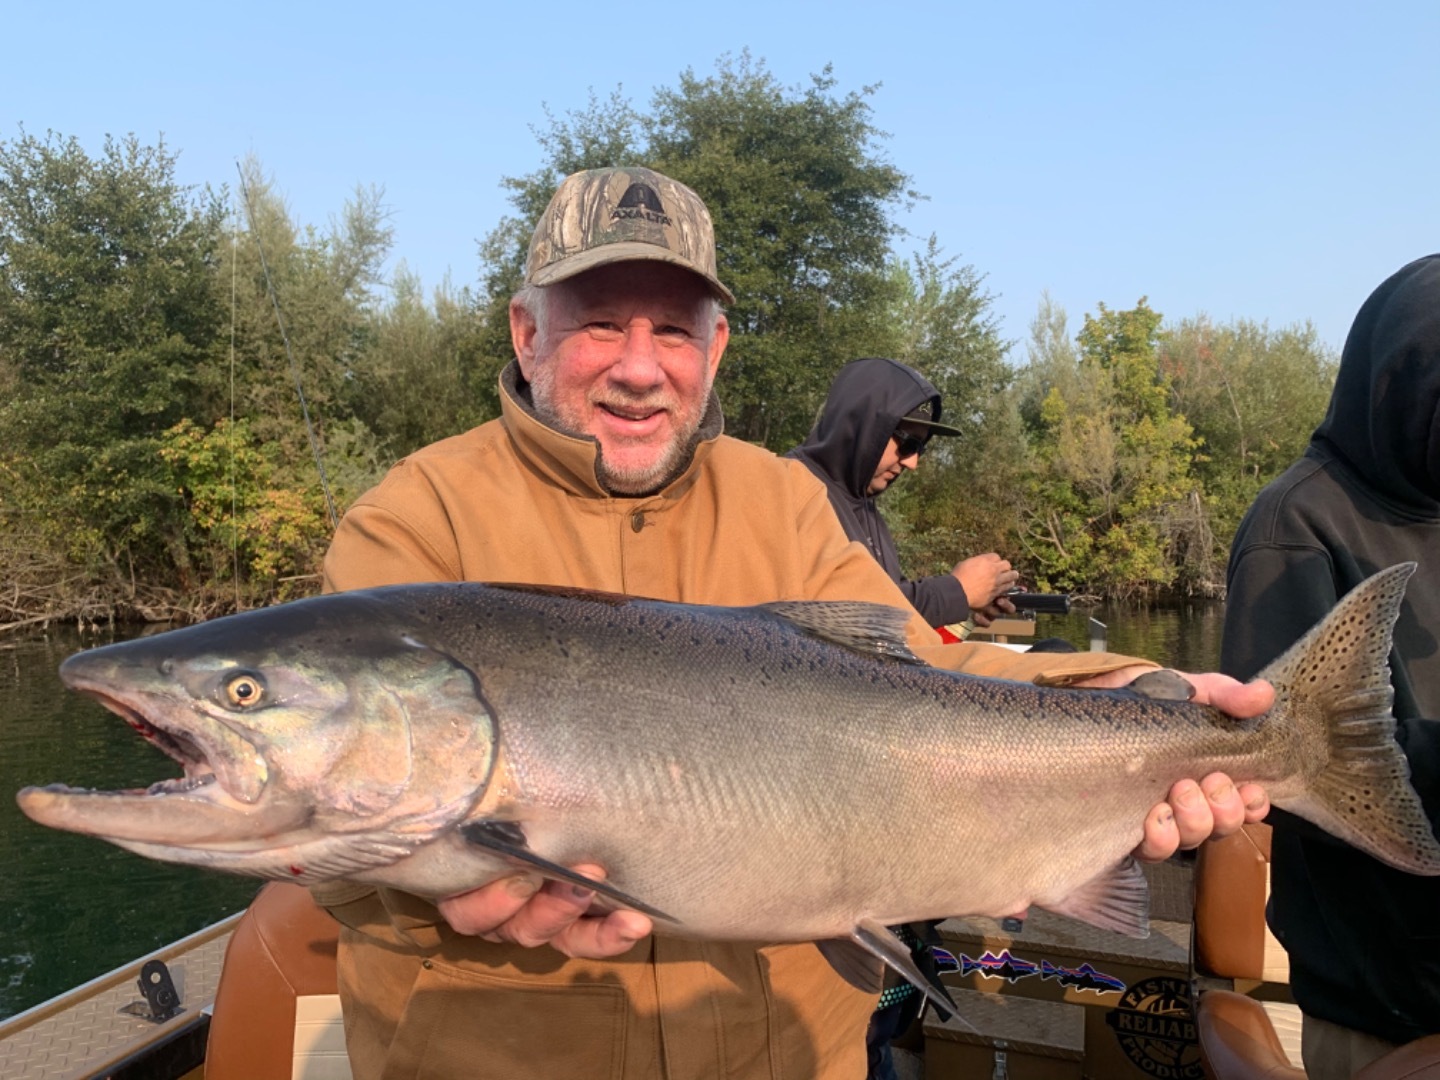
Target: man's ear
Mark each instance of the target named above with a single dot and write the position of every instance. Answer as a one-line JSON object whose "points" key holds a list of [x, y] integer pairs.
{"points": [[523, 333], [718, 340]]}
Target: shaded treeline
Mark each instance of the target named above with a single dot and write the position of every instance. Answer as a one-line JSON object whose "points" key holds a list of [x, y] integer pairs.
{"points": [[154, 461]]}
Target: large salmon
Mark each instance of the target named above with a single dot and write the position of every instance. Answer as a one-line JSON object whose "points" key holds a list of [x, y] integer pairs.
{"points": [[781, 772]]}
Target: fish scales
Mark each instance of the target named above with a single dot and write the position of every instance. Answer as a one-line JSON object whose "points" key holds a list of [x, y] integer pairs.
{"points": [[963, 785], [774, 773]]}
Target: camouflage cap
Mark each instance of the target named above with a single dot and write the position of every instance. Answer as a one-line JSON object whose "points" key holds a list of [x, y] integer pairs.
{"points": [[605, 216]]}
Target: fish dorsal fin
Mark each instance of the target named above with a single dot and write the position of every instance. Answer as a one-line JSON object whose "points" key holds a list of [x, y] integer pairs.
{"points": [[1333, 686], [1117, 899], [869, 629], [862, 958]]}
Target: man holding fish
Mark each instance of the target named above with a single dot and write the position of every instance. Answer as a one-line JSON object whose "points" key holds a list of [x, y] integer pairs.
{"points": [[608, 470]]}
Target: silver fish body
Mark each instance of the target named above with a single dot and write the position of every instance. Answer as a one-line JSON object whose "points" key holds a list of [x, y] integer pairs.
{"points": [[784, 772]]}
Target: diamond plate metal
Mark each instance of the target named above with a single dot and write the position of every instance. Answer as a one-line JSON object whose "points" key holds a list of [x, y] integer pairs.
{"points": [[80, 1033]]}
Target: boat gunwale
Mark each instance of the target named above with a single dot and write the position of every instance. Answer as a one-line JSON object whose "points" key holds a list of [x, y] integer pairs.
{"points": [[116, 976]]}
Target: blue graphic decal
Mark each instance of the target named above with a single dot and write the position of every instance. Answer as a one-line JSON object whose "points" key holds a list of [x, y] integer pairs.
{"points": [[1084, 977]]}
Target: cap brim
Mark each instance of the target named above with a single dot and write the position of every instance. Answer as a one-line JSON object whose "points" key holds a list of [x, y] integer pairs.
{"points": [[935, 428], [625, 251]]}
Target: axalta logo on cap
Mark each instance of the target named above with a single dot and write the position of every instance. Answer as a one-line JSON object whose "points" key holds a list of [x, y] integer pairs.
{"points": [[640, 201]]}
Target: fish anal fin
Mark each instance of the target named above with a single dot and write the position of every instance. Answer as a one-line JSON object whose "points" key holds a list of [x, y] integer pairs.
{"points": [[872, 941], [1118, 899], [870, 629], [507, 838]]}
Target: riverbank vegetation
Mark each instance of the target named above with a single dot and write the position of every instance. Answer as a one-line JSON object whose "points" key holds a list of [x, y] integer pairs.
{"points": [[155, 460]]}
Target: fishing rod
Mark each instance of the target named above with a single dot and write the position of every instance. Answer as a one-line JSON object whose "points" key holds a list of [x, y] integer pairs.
{"points": [[285, 338]]}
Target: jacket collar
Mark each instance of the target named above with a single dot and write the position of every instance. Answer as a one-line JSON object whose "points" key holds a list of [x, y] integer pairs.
{"points": [[570, 461]]}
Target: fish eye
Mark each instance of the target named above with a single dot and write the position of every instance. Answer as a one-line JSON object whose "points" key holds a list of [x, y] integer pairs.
{"points": [[244, 690]]}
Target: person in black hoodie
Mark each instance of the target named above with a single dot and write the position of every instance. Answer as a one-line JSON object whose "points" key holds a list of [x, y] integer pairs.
{"points": [[877, 418], [1363, 939]]}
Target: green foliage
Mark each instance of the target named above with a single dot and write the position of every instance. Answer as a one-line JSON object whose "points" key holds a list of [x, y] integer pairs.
{"points": [[961, 501], [1111, 473], [801, 201], [1253, 395], [425, 376], [151, 436], [326, 285], [108, 307], [251, 521]]}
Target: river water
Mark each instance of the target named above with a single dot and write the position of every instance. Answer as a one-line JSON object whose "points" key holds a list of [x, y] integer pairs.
{"points": [[74, 908], [71, 907]]}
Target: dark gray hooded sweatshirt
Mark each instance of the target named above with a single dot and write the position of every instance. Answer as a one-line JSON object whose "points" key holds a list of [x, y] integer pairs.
{"points": [[866, 401], [1364, 940]]}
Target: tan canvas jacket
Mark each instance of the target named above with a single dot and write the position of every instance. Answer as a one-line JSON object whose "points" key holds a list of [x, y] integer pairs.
{"points": [[515, 501]]}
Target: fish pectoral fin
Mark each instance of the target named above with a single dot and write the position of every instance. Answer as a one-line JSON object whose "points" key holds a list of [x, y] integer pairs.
{"points": [[507, 838], [1118, 899], [1162, 685], [855, 959]]}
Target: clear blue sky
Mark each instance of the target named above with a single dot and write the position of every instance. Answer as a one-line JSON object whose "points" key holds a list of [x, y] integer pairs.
{"points": [[1269, 161]]}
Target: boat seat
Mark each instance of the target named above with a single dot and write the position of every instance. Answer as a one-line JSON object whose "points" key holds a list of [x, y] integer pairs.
{"points": [[1242, 1038], [277, 1013]]}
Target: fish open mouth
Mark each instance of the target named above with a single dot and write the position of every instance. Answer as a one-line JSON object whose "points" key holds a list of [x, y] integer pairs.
{"points": [[203, 764], [216, 799]]}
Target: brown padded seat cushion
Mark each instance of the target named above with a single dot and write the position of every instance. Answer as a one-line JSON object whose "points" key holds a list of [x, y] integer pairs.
{"points": [[1238, 1040], [282, 948], [1240, 1044], [1230, 894]]}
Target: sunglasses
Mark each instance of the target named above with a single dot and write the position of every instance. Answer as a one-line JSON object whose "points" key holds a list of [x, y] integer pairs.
{"points": [[907, 444]]}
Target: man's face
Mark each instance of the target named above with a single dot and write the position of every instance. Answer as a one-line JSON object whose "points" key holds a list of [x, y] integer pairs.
{"points": [[626, 353], [892, 464]]}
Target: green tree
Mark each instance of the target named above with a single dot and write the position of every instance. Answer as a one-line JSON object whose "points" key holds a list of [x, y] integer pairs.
{"points": [[1112, 501], [425, 359], [801, 200], [327, 286], [108, 309], [1253, 396], [962, 500], [249, 524]]}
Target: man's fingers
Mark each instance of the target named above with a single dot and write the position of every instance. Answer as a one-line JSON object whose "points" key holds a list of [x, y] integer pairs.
{"points": [[1187, 818], [522, 908], [552, 910], [1162, 838], [1243, 700], [1226, 807], [597, 937], [1257, 803], [1194, 818], [481, 910]]}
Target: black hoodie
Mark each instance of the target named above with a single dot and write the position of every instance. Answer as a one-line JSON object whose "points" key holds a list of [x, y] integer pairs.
{"points": [[1363, 939], [866, 402]]}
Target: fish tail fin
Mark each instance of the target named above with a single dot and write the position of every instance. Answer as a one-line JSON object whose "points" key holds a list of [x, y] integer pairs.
{"points": [[1335, 685]]}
